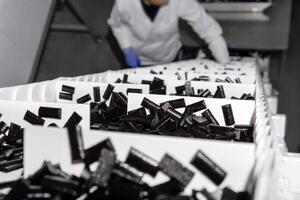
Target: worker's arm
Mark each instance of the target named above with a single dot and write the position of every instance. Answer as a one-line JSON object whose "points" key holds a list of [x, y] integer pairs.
{"points": [[119, 26], [118, 23], [206, 27]]}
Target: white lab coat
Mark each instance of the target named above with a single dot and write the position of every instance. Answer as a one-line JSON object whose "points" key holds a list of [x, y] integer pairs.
{"points": [[159, 41]]}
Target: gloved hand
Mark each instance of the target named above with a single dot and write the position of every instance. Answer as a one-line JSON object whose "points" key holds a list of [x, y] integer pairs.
{"points": [[132, 59]]}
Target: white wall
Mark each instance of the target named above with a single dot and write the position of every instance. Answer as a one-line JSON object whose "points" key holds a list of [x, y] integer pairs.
{"points": [[22, 24]]}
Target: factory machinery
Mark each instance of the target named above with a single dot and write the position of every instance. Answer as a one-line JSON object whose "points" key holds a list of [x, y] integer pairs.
{"points": [[187, 130]]}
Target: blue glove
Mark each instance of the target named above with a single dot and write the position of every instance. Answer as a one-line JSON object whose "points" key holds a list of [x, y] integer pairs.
{"points": [[132, 59]]}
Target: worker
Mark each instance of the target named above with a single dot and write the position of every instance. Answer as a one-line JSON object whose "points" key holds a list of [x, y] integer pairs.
{"points": [[147, 30]]}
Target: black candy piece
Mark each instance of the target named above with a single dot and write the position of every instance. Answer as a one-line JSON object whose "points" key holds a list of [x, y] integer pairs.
{"points": [[208, 115], [3, 127], [122, 188], [132, 90], [170, 188], [238, 80], [142, 162], [229, 80], [47, 169], [150, 105], [61, 185], [177, 103], [125, 78], [204, 193], [66, 96], [127, 172], [76, 144], [48, 112], [221, 130], [189, 90], [53, 125], [172, 168], [12, 167], [140, 112], [74, 120], [15, 133], [205, 93], [180, 89], [68, 89], [198, 106], [208, 167], [19, 190], [108, 92], [220, 92], [84, 99], [228, 115], [145, 82], [96, 92], [93, 153], [106, 163], [33, 119]]}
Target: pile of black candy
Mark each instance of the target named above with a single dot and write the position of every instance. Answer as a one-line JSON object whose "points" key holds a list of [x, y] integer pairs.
{"points": [[164, 119], [115, 180], [11, 147], [226, 80], [188, 90], [11, 137], [157, 85]]}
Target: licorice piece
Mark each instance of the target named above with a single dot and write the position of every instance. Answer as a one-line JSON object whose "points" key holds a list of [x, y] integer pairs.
{"points": [[66, 96], [153, 72], [238, 80], [221, 130], [106, 163], [196, 107], [229, 80], [150, 105], [200, 120], [118, 80], [189, 90], [47, 169], [172, 168], [93, 153], [208, 115], [48, 112], [177, 103], [108, 92], [228, 115], [3, 127], [220, 92], [180, 89], [145, 82], [140, 112], [157, 83], [74, 120], [142, 162], [12, 167], [96, 92], [53, 125], [170, 188], [19, 190], [205, 93], [208, 167], [68, 89], [76, 144], [125, 78], [132, 90], [84, 99], [33, 119], [127, 172], [61, 185]]}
